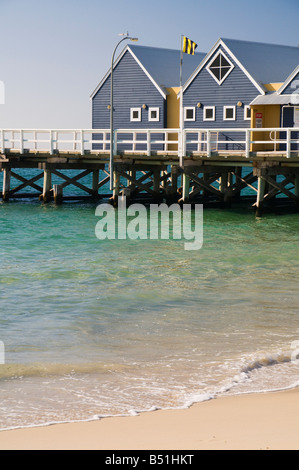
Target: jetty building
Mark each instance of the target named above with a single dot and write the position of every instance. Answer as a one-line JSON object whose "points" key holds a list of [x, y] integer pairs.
{"points": [[208, 126]]}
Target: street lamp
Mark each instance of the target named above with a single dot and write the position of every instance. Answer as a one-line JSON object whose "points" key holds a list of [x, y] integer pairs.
{"points": [[126, 37]]}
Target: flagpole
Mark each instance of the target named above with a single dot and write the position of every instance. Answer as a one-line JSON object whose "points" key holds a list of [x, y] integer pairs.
{"points": [[181, 107]]}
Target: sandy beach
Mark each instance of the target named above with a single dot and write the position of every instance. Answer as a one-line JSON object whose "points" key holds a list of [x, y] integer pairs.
{"points": [[246, 422]]}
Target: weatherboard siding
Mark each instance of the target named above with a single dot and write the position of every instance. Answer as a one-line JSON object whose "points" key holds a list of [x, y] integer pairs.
{"points": [[131, 89], [205, 90]]}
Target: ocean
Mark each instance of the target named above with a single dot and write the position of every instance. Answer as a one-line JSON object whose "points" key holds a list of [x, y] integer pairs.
{"points": [[93, 328]]}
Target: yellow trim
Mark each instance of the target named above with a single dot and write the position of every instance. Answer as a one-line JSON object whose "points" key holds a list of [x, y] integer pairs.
{"points": [[173, 113], [273, 86], [173, 108], [270, 118]]}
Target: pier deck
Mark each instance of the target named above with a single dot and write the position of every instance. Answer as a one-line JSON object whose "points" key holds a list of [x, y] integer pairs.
{"points": [[161, 164]]}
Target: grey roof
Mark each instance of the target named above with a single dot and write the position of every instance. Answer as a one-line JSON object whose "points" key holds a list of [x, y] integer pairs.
{"points": [[164, 64], [266, 63]]}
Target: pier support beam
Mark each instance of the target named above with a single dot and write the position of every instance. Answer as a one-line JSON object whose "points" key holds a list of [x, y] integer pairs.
{"points": [[47, 186], [172, 188], [6, 183], [260, 195], [223, 182], [132, 174], [156, 183], [297, 184], [116, 186], [95, 181], [58, 193], [186, 187], [238, 177], [174, 177]]}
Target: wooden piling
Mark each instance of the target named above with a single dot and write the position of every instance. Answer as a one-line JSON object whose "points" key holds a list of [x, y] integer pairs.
{"points": [[6, 183], [156, 183], [186, 187], [174, 177], [47, 185], [95, 181], [296, 184], [116, 186], [260, 196], [58, 193], [130, 184]]}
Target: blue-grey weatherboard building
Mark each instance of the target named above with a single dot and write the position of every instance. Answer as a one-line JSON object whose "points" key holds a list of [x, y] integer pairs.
{"points": [[143, 79], [238, 84]]}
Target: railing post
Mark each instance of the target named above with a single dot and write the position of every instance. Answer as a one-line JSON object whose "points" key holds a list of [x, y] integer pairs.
{"points": [[180, 146], [35, 138], [148, 143], [2, 141], [51, 142], [247, 144], [74, 141], [82, 142], [184, 142], [209, 147], [289, 145], [21, 141]]}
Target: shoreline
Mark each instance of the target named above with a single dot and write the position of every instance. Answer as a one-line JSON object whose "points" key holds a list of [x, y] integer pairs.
{"points": [[240, 422]]}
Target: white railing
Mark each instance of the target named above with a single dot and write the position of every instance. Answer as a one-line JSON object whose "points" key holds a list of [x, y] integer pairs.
{"points": [[153, 141]]}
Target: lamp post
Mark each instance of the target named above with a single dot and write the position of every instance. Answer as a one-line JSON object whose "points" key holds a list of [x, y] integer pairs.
{"points": [[126, 37]]}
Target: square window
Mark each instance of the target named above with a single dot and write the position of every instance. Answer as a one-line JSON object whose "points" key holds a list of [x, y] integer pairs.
{"points": [[189, 114], [209, 113], [153, 114], [247, 113], [229, 113], [135, 114]]}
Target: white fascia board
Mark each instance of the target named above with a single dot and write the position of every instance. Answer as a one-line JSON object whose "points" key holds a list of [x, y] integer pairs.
{"points": [[288, 80], [208, 57], [109, 72], [147, 73]]}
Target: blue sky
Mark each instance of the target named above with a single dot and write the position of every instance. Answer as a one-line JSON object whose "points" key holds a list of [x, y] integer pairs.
{"points": [[54, 53]]}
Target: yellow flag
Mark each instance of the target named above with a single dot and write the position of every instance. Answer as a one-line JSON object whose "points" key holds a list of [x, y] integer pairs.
{"points": [[189, 46]]}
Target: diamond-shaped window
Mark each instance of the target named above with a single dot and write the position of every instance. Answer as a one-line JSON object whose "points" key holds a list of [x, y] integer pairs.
{"points": [[220, 67]]}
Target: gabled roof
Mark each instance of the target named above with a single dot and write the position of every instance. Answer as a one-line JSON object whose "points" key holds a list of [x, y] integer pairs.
{"points": [[288, 80], [162, 66], [262, 63], [267, 63]]}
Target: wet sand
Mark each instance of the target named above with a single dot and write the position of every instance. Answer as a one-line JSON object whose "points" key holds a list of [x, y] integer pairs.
{"points": [[255, 421]]}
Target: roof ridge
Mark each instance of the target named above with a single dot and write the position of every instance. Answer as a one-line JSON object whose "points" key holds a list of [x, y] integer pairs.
{"points": [[161, 48], [258, 43]]}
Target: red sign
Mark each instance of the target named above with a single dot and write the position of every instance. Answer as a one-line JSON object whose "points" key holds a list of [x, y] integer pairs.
{"points": [[259, 115]]}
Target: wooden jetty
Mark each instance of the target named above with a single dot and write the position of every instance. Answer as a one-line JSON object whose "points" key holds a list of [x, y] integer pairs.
{"points": [[164, 164]]}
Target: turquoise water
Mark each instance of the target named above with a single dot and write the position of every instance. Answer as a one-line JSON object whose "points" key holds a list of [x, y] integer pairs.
{"points": [[95, 328]]}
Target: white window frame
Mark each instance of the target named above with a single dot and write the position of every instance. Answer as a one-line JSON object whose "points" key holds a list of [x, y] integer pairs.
{"points": [[188, 108], [158, 114], [213, 108], [246, 107], [227, 74], [132, 110], [225, 118]]}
